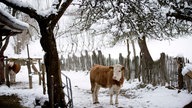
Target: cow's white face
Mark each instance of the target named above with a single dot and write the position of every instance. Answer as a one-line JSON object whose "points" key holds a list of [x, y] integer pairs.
{"points": [[117, 72], [11, 64]]}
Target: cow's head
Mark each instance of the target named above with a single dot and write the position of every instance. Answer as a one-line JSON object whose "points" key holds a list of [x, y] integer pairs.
{"points": [[118, 71]]}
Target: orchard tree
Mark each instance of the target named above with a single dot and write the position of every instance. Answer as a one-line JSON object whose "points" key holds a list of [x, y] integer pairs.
{"points": [[47, 20], [131, 19]]}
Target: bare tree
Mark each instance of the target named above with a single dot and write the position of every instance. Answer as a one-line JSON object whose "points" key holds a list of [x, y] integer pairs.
{"points": [[47, 22]]}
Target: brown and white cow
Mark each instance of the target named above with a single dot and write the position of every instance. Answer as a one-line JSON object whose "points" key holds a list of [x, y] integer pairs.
{"points": [[13, 69], [111, 77]]}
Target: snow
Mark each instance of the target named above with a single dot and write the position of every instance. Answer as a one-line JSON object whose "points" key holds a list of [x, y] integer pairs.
{"points": [[148, 97], [186, 69]]}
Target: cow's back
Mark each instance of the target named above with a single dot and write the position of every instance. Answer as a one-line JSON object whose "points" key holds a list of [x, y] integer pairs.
{"points": [[101, 75]]}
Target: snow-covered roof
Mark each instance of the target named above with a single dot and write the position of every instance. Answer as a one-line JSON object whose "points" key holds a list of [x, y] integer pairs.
{"points": [[9, 25]]}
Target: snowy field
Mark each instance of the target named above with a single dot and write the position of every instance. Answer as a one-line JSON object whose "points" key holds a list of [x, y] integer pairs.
{"points": [[132, 95]]}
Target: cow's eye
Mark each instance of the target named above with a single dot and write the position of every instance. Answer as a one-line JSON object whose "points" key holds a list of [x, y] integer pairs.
{"points": [[119, 71]]}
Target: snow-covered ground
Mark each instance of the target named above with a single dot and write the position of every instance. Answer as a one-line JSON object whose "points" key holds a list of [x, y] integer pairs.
{"points": [[132, 95]]}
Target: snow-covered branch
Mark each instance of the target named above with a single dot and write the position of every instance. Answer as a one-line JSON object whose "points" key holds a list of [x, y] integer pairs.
{"points": [[22, 6], [52, 14]]}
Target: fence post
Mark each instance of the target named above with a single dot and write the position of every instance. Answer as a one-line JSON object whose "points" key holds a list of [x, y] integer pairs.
{"points": [[7, 74], [39, 72], [82, 62], [39, 78], [94, 58], [29, 69], [43, 78], [163, 70], [180, 62], [88, 60], [109, 60]]}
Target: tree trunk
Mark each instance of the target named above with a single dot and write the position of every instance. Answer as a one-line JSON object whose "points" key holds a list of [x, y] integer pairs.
{"points": [[52, 63], [146, 61]]}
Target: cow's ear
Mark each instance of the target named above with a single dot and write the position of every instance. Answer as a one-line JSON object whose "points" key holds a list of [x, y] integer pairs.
{"points": [[111, 67], [123, 68]]}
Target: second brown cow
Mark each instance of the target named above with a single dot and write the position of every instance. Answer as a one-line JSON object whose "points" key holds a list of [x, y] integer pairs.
{"points": [[13, 69], [111, 77]]}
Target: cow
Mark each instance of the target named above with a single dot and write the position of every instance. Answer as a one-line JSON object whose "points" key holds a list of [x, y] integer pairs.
{"points": [[13, 68], [111, 77]]}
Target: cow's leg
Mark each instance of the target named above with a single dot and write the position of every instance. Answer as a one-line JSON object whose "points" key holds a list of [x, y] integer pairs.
{"points": [[12, 76], [111, 92], [93, 96], [97, 87], [114, 89], [93, 91], [117, 94]]}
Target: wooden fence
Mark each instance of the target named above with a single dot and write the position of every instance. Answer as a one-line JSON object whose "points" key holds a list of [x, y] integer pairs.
{"points": [[164, 71]]}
